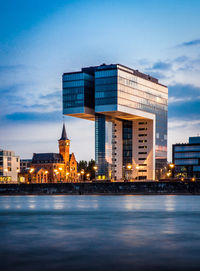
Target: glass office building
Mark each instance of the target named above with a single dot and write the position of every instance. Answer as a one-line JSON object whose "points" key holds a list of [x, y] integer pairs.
{"points": [[186, 158], [130, 113]]}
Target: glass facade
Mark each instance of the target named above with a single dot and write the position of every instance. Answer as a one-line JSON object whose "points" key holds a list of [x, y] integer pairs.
{"points": [[132, 93], [103, 146], [105, 87], [78, 90], [127, 142], [108, 89], [186, 158]]}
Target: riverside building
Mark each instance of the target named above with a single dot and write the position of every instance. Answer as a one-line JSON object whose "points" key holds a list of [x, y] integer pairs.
{"points": [[186, 158], [9, 166], [130, 113]]}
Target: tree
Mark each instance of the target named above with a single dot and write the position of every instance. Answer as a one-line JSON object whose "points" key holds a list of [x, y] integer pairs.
{"points": [[88, 167]]}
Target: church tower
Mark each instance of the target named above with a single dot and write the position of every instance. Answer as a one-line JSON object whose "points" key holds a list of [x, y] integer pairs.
{"points": [[64, 146]]}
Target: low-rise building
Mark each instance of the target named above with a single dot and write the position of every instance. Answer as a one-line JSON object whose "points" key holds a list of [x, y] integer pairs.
{"points": [[9, 166], [186, 158], [55, 167]]}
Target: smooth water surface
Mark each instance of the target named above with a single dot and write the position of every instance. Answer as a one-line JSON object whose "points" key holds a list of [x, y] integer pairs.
{"points": [[99, 233]]}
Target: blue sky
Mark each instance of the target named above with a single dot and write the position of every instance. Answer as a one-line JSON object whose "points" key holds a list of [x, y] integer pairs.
{"points": [[39, 40]]}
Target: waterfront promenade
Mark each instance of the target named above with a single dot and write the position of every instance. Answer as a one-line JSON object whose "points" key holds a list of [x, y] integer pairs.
{"points": [[97, 188]]}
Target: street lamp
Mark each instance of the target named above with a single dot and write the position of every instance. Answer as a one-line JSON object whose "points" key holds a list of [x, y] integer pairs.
{"points": [[88, 176], [82, 173], [172, 169], [31, 171], [137, 167], [129, 167], [95, 169], [79, 176], [168, 174]]}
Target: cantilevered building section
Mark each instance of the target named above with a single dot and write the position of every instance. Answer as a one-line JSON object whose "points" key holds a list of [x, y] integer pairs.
{"points": [[130, 113]]}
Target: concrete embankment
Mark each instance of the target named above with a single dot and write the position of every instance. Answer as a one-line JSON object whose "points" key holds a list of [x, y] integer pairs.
{"points": [[117, 188]]}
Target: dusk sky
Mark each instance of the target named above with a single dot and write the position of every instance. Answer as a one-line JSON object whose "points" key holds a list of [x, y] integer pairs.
{"points": [[40, 40]]}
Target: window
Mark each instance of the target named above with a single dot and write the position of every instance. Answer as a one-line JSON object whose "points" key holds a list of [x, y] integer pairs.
{"points": [[142, 177], [142, 122], [142, 170], [196, 168], [187, 155], [142, 152], [186, 161], [142, 147], [187, 148], [142, 135], [142, 141], [142, 129], [142, 159]]}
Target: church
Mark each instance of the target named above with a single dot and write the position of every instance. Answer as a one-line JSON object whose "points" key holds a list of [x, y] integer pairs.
{"points": [[55, 167]]}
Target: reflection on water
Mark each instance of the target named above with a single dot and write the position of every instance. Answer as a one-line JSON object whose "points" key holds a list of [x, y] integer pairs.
{"points": [[99, 233]]}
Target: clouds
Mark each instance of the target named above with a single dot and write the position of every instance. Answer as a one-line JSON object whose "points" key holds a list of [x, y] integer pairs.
{"points": [[190, 43], [43, 39], [161, 66], [182, 70]]}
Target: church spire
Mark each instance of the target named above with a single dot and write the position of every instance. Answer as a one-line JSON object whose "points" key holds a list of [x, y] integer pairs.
{"points": [[64, 134]]}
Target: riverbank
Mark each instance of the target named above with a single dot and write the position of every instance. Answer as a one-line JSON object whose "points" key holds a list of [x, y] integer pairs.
{"points": [[117, 188]]}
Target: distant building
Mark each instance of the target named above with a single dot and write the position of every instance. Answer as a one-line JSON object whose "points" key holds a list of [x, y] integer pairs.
{"points": [[55, 167], [25, 164], [9, 166], [129, 109], [186, 158]]}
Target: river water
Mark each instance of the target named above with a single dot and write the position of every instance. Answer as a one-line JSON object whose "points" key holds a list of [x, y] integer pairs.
{"points": [[99, 233]]}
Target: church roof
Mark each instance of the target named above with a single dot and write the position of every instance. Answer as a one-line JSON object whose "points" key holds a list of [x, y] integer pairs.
{"points": [[64, 134], [47, 158]]}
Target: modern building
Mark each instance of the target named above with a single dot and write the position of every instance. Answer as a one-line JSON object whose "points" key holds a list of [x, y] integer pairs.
{"points": [[9, 166], [186, 158], [130, 113], [55, 167]]}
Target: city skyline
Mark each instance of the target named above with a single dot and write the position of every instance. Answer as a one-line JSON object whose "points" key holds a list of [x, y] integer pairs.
{"points": [[42, 41]]}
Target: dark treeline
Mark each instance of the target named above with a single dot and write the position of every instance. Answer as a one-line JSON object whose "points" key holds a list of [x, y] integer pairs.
{"points": [[88, 167]]}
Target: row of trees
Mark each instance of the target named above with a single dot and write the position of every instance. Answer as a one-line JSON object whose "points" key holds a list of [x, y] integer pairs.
{"points": [[88, 167]]}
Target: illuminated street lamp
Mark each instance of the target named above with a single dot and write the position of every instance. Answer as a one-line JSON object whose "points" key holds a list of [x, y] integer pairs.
{"points": [[31, 171], [182, 179], [168, 174], [172, 169], [137, 167], [95, 169], [129, 167], [193, 179], [88, 176], [79, 174], [82, 173]]}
